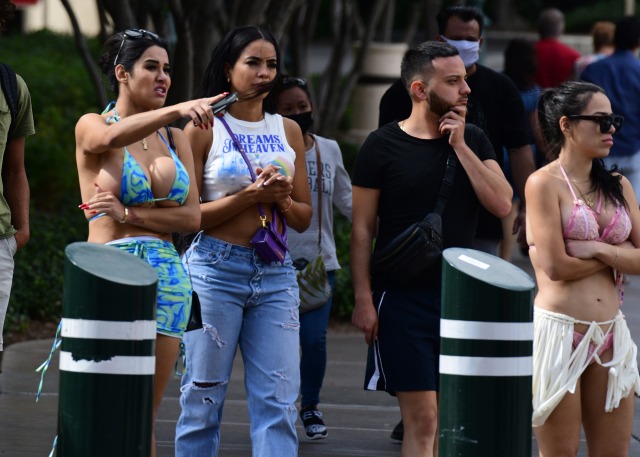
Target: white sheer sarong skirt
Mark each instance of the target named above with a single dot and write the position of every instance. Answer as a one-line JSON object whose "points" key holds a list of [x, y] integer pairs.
{"points": [[557, 366]]}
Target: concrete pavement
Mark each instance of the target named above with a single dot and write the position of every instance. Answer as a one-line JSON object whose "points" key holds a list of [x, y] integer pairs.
{"points": [[359, 422]]}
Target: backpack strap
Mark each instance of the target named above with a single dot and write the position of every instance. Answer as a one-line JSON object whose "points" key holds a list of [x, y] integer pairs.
{"points": [[10, 88]]}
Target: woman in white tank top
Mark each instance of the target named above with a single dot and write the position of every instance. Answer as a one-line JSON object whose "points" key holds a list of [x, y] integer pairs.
{"points": [[246, 302]]}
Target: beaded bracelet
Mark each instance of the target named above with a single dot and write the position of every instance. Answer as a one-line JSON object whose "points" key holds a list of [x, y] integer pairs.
{"points": [[615, 262]]}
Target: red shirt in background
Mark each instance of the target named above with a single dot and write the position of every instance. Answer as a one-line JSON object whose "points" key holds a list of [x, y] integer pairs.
{"points": [[555, 62]]}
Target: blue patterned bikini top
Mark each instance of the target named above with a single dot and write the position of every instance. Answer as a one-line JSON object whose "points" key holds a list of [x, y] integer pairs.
{"points": [[135, 189]]}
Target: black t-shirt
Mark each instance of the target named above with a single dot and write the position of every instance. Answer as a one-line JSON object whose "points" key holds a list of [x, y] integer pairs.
{"points": [[495, 105], [409, 172]]}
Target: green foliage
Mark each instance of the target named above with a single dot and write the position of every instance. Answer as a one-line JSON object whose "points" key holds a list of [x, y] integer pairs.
{"points": [[343, 300], [60, 93], [38, 275], [580, 19]]}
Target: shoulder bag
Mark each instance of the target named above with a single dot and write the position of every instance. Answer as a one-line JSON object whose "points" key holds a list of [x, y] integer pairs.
{"points": [[313, 281], [270, 245]]}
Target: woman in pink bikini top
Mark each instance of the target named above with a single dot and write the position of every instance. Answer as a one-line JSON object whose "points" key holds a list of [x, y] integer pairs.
{"points": [[583, 226], [583, 222]]}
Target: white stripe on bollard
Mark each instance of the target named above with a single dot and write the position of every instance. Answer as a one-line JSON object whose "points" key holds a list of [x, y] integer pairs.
{"points": [[494, 331], [125, 365], [108, 330], [486, 366]]}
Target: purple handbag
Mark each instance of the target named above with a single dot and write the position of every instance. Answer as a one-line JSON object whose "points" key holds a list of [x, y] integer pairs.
{"points": [[268, 242], [270, 245]]}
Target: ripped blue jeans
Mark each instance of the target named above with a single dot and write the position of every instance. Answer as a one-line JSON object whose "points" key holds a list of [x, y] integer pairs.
{"points": [[247, 303]]}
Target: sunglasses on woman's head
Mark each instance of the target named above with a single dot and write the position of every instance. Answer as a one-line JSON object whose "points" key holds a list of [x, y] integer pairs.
{"points": [[605, 121], [134, 34]]}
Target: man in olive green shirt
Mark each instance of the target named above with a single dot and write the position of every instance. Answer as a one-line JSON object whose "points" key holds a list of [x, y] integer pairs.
{"points": [[14, 188]]}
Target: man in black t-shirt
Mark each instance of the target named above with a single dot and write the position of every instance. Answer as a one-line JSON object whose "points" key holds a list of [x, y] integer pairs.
{"points": [[494, 105], [396, 180]]}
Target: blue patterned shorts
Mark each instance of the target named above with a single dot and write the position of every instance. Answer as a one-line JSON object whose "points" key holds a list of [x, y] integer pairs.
{"points": [[174, 285]]}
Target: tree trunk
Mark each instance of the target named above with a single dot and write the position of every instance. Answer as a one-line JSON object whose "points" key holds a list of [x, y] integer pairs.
{"points": [[182, 60], [121, 14], [336, 95], [83, 49]]}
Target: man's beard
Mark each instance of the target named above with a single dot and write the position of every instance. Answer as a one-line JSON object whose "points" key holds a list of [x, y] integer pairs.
{"points": [[438, 104]]}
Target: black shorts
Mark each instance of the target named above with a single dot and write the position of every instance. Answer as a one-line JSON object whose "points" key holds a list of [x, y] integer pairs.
{"points": [[406, 355]]}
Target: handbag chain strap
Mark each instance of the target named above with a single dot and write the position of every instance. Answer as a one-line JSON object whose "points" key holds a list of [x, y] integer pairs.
{"points": [[447, 184], [319, 182], [263, 216]]}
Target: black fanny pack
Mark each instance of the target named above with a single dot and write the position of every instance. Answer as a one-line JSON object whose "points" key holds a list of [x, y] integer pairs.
{"points": [[411, 253]]}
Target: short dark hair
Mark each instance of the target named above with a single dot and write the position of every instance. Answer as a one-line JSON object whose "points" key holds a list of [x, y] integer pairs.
{"points": [[602, 33], [418, 61], [627, 34], [550, 23], [466, 13]]}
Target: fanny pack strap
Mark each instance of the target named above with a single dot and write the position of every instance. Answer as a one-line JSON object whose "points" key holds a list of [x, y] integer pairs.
{"points": [[447, 184]]}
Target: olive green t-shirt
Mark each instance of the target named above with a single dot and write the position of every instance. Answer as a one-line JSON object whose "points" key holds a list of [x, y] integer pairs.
{"points": [[23, 127]]}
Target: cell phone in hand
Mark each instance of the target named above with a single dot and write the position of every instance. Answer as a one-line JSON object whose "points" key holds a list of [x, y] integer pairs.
{"points": [[224, 103]]}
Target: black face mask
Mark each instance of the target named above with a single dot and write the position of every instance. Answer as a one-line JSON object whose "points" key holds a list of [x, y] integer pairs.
{"points": [[304, 120]]}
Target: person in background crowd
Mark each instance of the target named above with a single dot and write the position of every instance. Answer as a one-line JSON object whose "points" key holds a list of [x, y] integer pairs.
{"points": [[619, 76], [520, 66], [14, 187], [292, 99], [555, 59], [602, 33]]}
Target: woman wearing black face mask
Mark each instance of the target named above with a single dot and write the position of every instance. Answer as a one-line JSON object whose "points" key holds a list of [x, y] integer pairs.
{"points": [[291, 99]]}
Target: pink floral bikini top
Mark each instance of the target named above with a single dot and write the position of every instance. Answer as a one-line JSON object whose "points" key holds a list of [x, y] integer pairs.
{"points": [[583, 223]]}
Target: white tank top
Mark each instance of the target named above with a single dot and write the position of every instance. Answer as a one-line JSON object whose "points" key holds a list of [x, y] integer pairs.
{"points": [[264, 142]]}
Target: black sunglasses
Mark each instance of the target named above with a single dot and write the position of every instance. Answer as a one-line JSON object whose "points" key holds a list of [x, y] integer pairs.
{"points": [[606, 121], [289, 81], [134, 34]]}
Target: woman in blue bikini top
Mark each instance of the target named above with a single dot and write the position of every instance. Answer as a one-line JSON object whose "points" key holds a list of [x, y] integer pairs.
{"points": [[137, 177]]}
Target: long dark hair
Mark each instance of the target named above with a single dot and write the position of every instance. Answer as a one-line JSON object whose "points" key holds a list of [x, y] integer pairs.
{"points": [[520, 63], [571, 98], [128, 51], [227, 52]]}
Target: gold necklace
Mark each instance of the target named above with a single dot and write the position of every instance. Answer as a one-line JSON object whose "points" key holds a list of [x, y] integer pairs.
{"points": [[144, 143], [588, 201]]}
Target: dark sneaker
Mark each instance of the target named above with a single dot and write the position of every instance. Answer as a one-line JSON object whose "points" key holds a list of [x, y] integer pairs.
{"points": [[398, 433], [313, 425]]}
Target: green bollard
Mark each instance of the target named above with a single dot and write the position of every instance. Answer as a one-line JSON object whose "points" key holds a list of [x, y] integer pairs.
{"points": [[107, 356], [486, 364]]}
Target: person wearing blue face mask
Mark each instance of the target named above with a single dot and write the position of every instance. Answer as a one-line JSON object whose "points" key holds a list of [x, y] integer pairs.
{"points": [[494, 105], [292, 99]]}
